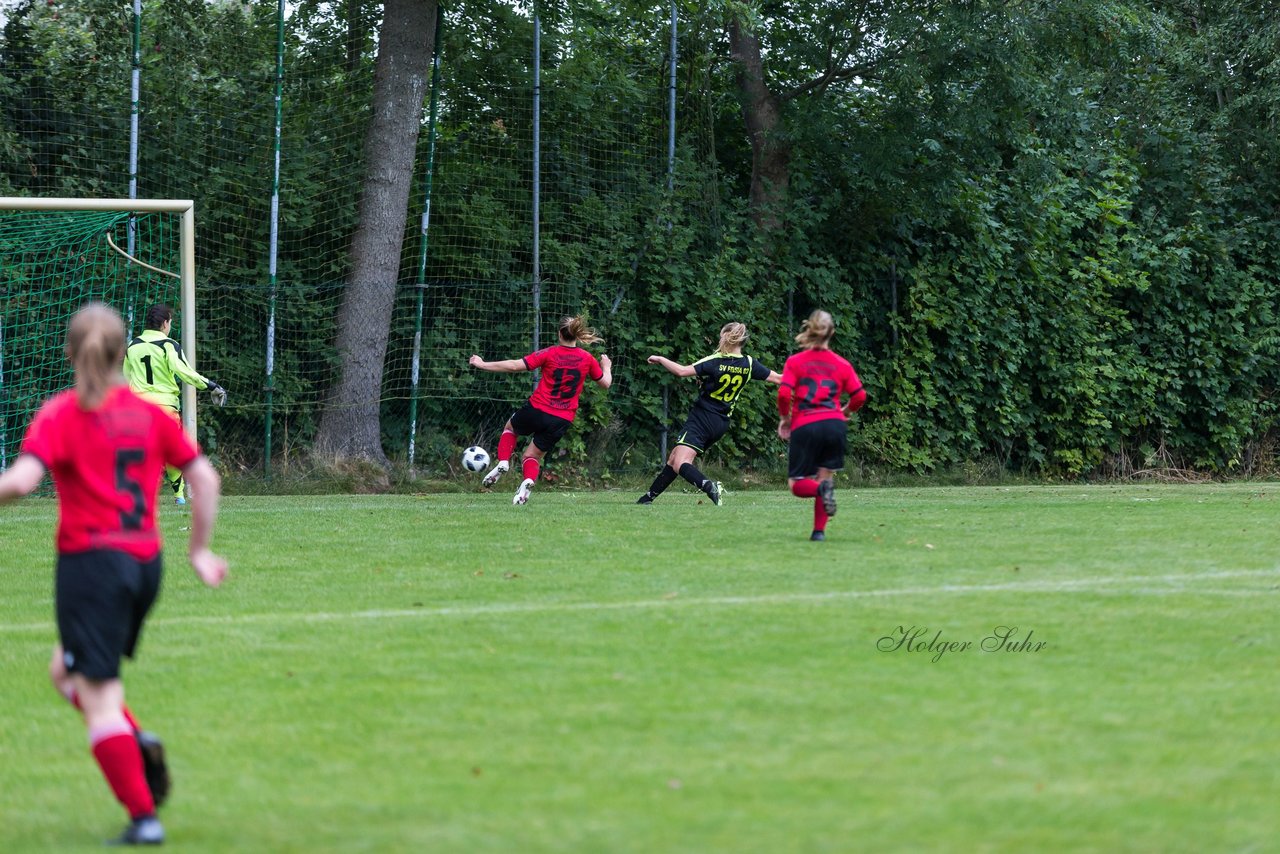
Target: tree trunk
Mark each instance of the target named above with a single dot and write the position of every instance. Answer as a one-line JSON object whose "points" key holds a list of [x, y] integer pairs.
{"points": [[349, 426], [762, 112]]}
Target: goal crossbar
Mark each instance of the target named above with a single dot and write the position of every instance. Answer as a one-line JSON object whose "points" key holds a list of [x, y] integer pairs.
{"points": [[187, 267]]}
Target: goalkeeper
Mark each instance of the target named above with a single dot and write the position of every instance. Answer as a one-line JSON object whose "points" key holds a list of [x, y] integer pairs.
{"points": [[155, 366]]}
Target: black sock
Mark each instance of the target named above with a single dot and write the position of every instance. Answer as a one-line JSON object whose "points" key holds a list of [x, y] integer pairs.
{"points": [[662, 481], [697, 478]]}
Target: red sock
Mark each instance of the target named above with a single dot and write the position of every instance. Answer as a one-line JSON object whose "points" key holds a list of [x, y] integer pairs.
{"points": [[74, 699], [118, 756], [819, 515], [506, 444], [805, 488], [531, 468]]}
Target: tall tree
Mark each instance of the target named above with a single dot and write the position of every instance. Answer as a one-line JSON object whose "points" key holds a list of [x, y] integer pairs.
{"points": [[816, 45], [350, 426]]}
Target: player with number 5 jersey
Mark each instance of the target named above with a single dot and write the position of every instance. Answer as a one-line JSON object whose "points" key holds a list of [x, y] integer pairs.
{"points": [[812, 418], [106, 447], [565, 368], [724, 374]]}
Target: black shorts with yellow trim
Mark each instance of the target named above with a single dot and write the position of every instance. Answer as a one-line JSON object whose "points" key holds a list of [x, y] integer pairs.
{"points": [[702, 429], [817, 445], [102, 598]]}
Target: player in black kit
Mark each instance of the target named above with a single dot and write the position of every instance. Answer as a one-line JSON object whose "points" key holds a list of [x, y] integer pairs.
{"points": [[723, 375]]}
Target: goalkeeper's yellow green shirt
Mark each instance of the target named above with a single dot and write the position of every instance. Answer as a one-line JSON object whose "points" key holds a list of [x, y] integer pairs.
{"points": [[155, 367]]}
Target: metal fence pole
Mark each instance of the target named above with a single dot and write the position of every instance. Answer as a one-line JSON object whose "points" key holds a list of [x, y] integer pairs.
{"points": [[135, 96], [537, 180], [671, 183], [273, 248], [426, 223]]}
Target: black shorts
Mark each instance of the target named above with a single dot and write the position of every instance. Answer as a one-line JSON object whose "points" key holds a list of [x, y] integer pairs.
{"points": [[101, 599], [546, 429], [817, 445], [701, 429]]}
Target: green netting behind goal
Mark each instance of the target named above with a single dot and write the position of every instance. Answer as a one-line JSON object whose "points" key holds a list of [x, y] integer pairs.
{"points": [[51, 263], [206, 132]]}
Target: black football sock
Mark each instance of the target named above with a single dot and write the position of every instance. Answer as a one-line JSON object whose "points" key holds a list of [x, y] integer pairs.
{"points": [[697, 478], [662, 481]]}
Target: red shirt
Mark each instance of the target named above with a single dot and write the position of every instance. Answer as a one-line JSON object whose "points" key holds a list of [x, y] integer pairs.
{"points": [[564, 370], [812, 382], [106, 465]]}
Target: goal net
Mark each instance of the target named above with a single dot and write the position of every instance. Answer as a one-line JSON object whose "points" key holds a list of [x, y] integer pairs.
{"points": [[56, 255]]}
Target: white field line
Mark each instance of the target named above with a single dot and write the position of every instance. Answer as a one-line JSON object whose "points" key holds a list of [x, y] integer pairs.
{"points": [[1117, 585]]}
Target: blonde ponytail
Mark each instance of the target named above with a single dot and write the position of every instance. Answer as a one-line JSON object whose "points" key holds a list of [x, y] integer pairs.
{"points": [[732, 337], [576, 329], [95, 348], [817, 331]]}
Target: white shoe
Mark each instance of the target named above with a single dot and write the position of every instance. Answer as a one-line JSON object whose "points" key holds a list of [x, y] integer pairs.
{"points": [[522, 494], [496, 472]]}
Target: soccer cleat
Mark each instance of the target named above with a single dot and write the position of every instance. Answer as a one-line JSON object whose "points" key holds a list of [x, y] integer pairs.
{"points": [[645, 499], [522, 494], [141, 831], [817, 536], [827, 494], [715, 491], [496, 472], [180, 501], [153, 764]]}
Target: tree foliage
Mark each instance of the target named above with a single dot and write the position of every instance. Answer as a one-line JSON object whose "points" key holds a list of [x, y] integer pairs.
{"points": [[1048, 230]]}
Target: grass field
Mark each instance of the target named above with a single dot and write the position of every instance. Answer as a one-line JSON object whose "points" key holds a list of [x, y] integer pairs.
{"points": [[450, 673]]}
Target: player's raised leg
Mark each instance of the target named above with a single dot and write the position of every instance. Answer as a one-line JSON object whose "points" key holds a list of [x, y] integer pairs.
{"points": [[115, 749], [149, 745], [827, 490], [506, 446]]}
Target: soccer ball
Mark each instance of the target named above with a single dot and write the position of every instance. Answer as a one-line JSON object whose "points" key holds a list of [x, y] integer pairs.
{"points": [[475, 458]]}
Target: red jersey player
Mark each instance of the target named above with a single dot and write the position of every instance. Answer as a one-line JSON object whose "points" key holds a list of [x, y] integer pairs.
{"points": [[107, 448], [812, 418], [553, 404]]}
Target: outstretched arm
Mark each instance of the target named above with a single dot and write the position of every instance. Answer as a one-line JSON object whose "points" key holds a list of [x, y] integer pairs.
{"points": [[184, 371], [21, 478], [606, 378], [774, 377], [505, 366], [191, 377], [674, 367]]}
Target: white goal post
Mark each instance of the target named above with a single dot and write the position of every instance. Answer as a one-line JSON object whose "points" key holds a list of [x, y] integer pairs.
{"points": [[187, 265]]}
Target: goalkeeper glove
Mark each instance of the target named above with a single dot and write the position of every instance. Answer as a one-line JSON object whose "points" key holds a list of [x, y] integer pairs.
{"points": [[218, 393]]}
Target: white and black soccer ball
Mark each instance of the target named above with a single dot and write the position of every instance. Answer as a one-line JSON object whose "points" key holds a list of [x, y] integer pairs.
{"points": [[475, 458]]}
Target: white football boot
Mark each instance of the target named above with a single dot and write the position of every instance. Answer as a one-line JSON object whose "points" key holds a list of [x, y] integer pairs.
{"points": [[496, 472], [522, 494]]}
